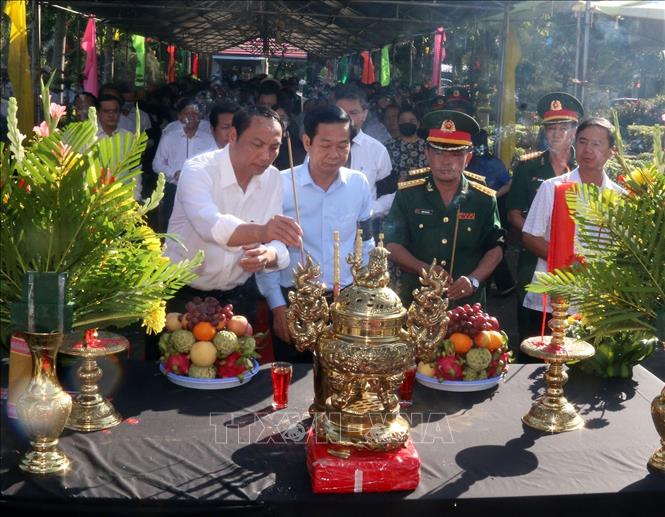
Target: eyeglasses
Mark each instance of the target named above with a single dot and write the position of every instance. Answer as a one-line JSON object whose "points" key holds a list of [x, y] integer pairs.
{"points": [[357, 112]]}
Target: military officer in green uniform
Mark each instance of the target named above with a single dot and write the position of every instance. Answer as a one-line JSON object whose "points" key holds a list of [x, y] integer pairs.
{"points": [[443, 215], [560, 113]]}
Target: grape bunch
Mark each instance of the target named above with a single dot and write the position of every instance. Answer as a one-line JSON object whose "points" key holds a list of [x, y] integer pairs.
{"points": [[208, 309], [470, 319]]}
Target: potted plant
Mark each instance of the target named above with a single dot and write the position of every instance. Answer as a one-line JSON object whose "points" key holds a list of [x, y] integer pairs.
{"points": [[67, 205]]}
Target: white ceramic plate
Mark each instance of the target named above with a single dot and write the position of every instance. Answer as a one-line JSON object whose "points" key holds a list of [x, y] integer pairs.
{"points": [[434, 383], [210, 384]]}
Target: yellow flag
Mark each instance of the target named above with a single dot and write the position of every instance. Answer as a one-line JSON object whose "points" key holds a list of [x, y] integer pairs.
{"points": [[19, 65], [513, 56]]}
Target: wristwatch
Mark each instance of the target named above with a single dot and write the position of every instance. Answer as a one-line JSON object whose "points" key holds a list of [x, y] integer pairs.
{"points": [[474, 283]]}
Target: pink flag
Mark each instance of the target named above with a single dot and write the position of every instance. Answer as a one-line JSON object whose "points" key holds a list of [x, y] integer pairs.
{"points": [[439, 55], [89, 46]]}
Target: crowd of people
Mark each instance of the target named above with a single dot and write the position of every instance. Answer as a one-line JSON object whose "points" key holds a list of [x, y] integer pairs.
{"points": [[409, 166]]}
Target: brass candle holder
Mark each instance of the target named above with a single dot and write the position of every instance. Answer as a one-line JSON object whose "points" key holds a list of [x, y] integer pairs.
{"points": [[43, 407], [657, 460], [91, 411], [552, 412]]}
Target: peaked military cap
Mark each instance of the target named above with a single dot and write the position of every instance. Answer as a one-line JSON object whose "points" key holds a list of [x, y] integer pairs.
{"points": [[448, 130], [559, 107]]}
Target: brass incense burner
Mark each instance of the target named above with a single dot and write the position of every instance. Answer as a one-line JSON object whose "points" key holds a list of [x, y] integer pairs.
{"points": [[361, 348]]}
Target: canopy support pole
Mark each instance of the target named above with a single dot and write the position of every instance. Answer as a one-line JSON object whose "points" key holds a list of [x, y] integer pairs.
{"points": [[502, 64], [585, 55]]}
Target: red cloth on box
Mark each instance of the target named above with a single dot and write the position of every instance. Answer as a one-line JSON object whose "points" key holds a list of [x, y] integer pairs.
{"points": [[363, 471]]}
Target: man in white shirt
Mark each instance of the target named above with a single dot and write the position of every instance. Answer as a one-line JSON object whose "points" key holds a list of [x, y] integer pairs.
{"points": [[127, 121], [594, 145], [108, 117], [368, 155], [177, 146], [221, 120], [228, 204]]}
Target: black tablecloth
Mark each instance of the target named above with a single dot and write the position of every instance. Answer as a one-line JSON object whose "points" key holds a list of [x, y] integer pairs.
{"points": [[187, 451]]}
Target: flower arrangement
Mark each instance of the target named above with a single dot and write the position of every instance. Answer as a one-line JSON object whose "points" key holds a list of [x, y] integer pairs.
{"points": [[475, 348], [67, 204]]}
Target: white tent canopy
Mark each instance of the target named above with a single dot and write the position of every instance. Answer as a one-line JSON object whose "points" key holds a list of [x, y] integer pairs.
{"points": [[654, 9]]}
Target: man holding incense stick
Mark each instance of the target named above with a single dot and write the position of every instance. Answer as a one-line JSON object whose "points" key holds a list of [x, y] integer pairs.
{"points": [[228, 204], [331, 198], [444, 216]]}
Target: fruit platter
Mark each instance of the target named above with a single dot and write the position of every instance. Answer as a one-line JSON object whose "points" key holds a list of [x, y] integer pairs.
{"points": [[473, 357], [208, 347]]}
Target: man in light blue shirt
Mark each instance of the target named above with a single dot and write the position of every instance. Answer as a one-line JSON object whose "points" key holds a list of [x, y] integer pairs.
{"points": [[330, 198]]}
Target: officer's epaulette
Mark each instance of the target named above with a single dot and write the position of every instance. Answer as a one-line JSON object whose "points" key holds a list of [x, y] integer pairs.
{"points": [[475, 177], [416, 172], [483, 188], [529, 156], [410, 183]]}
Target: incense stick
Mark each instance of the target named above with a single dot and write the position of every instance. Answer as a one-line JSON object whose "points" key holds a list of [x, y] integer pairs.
{"points": [[452, 257], [295, 197]]}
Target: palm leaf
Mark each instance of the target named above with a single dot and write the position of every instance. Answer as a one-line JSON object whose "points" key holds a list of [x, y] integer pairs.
{"points": [[622, 285]]}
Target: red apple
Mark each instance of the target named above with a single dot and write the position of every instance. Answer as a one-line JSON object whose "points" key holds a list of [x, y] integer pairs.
{"points": [[238, 325], [250, 330]]}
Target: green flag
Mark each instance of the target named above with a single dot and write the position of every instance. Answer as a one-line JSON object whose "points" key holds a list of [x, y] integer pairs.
{"points": [[181, 63], [344, 70], [138, 42], [385, 66]]}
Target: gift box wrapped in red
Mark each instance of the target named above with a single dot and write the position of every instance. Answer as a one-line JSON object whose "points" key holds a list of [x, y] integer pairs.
{"points": [[362, 471]]}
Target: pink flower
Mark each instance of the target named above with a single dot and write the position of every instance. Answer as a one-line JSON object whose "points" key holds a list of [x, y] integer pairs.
{"points": [[42, 130], [57, 112]]}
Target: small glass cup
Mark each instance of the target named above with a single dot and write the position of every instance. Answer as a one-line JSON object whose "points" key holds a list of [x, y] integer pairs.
{"points": [[281, 373], [406, 388]]}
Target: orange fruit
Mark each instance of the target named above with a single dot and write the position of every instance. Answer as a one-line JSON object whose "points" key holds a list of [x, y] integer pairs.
{"points": [[498, 340], [483, 339], [204, 331], [490, 339], [461, 342]]}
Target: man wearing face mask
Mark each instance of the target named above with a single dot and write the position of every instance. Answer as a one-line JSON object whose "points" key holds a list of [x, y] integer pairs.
{"points": [[176, 147], [560, 113], [407, 152]]}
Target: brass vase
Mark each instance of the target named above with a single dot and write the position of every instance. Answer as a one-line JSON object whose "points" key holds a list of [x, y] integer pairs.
{"points": [[44, 407], [657, 460]]}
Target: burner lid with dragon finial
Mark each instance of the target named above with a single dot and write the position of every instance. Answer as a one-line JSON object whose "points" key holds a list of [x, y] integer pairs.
{"points": [[368, 308]]}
